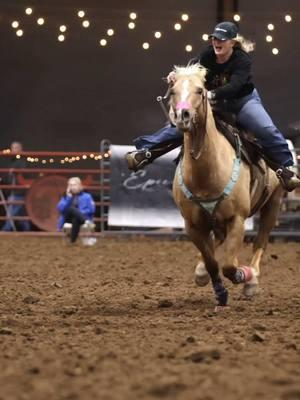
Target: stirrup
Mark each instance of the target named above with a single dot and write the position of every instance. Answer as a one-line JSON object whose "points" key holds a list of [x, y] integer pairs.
{"points": [[289, 180], [138, 159]]}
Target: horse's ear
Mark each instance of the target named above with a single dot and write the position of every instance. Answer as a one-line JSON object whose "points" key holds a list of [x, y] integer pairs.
{"points": [[202, 72]]}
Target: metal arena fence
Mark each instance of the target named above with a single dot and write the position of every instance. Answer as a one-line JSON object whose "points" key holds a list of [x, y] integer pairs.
{"points": [[44, 179]]}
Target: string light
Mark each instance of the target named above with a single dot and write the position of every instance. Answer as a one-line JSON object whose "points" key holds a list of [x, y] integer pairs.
{"points": [[157, 35], [269, 38], [110, 32], [103, 42], [205, 37], [146, 45], [288, 18], [133, 15], [177, 26], [275, 51], [63, 28], [19, 32], [28, 11], [86, 23], [271, 27], [81, 14], [15, 24], [89, 156], [61, 38], [40, 21], [188, 48], [185, 17], [236, 17], [131, 25]]}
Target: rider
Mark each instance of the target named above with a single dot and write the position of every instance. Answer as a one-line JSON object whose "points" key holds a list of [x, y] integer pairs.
{"points": [[230, 86]]}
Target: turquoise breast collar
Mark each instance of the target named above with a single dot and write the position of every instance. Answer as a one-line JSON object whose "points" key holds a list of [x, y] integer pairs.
{"points": [[210, 205]]}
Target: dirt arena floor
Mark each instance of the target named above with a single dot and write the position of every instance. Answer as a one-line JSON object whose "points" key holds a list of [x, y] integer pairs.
{"points": [[124, 320]]}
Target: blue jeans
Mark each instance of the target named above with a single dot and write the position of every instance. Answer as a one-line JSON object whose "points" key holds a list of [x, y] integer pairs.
{"points": [[16, 210], [251, 115]]}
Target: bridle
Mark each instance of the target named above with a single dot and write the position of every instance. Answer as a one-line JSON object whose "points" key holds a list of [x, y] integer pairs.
{"points": [[196, 146], [200, 126]]}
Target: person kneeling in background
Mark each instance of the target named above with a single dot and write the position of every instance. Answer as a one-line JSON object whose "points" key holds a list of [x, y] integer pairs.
{"points": [[76, 208]]}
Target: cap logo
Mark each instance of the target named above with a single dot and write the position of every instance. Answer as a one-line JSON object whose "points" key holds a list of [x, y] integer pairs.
{"points": [[220, 29]]}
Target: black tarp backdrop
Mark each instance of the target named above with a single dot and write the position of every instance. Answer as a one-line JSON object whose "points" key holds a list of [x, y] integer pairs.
{"points": [[69, 96]]}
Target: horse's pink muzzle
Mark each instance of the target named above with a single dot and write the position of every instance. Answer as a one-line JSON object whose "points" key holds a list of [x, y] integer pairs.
{"points": [[183, 105]]}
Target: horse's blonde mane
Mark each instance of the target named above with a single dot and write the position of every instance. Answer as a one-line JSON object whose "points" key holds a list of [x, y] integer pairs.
{"points": [[196, 69]]}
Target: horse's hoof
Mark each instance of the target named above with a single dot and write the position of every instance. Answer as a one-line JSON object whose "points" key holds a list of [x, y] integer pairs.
{"points": [[250, 289], [202, 280], [202, 277]]}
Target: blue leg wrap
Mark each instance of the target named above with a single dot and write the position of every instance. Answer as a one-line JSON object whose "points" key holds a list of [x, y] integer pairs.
{"points": [[221, 292]]}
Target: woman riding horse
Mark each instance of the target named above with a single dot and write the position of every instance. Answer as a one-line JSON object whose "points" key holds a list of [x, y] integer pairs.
{"points": [[216, 190], [230, 86]]}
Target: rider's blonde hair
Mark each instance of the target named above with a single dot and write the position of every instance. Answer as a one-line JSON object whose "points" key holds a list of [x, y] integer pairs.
{"points": [[244, 44]]}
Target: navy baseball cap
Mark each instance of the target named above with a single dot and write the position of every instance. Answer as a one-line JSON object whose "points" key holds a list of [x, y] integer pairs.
{"points": [[225, 31]]}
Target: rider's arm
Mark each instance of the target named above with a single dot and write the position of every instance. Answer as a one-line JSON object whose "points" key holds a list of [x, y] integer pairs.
{"points": [[239, 77]]}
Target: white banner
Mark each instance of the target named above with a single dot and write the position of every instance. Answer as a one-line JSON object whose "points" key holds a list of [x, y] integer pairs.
{"points": [[143, 198]]}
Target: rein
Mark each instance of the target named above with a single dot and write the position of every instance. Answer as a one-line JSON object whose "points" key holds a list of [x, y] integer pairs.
{"points": [[160, 100], [198, 137]]}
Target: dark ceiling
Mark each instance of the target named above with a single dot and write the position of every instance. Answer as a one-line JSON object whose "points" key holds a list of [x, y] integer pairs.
{"points": [[70, 95]]}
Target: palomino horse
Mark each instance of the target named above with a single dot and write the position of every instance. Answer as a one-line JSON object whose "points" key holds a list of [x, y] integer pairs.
{"points": [[213, 189]]}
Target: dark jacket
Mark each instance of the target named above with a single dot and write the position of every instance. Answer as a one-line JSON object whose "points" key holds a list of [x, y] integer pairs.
{"points": [[230, 80], [12, 178]]}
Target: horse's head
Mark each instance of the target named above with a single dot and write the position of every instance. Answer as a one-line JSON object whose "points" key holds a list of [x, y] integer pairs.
{"points": [[188, 96]]}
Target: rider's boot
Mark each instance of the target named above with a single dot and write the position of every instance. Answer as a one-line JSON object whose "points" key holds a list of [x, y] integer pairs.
{"points": [[138, 159], [288, 178]]}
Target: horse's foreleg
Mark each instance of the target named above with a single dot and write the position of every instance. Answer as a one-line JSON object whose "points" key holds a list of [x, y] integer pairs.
{"points": [[204, 242], [234, 241]]}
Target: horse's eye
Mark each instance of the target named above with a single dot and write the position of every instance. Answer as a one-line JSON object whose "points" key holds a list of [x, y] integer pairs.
{"points": [[199, 91]]}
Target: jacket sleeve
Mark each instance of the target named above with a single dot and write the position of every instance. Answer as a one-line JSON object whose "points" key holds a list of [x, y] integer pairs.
{"points": [[64, 203], [239, 77], [88, 205]]}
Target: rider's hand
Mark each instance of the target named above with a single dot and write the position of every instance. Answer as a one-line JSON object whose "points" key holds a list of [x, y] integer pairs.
{"points": [[211, 96], [171, 78]]}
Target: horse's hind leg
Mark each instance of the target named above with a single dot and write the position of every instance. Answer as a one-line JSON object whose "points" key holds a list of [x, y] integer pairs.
{"points": [[205, 243], [202, 277], [268, 216]]}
